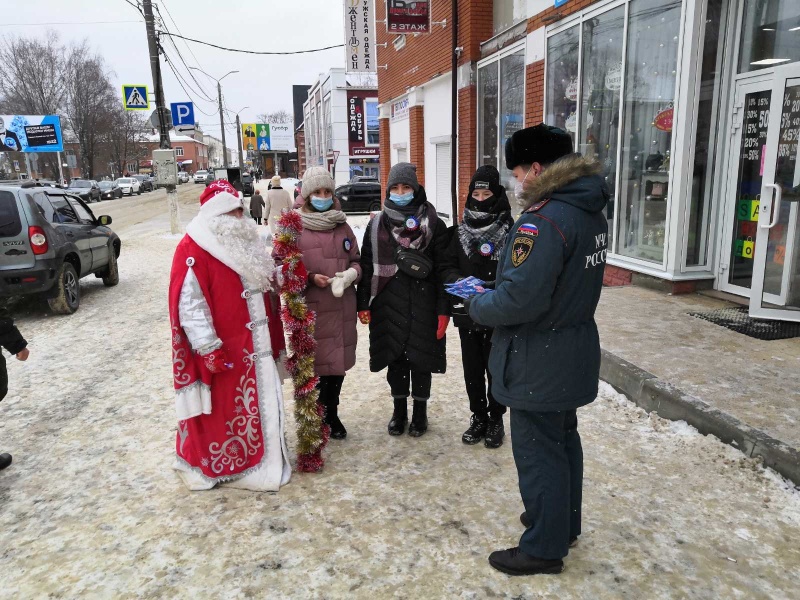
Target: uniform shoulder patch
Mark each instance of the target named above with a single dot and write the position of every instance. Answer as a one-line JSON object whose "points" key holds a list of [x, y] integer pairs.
{"points": [[528, 229], [521, 249]]}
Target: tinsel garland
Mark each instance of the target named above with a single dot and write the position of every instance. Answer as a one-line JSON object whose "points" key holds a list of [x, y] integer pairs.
{"points": [[299, 322]]}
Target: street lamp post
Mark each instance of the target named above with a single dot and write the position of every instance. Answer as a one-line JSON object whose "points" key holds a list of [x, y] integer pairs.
{"points": [[221, 117], [239, 136]]}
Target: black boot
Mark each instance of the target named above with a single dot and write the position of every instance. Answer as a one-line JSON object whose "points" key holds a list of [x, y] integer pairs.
{"points": [[526, 523], [5, 460], [419, 420], [338, 432], [515, 562], [495, 432], [397, 426], [477, 429]]}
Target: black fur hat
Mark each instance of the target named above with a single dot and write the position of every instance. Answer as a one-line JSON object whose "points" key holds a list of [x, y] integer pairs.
{"points": [[542, 143]]}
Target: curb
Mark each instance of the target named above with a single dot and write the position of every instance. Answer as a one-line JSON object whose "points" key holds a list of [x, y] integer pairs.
{"points": [[669, 402]]}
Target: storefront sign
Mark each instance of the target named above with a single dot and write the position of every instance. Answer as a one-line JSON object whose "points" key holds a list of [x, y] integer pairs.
{"points": [[399, 110], [408, 16], [367, 152], [614, 78], [663, 120], [355, 118], [571, 92], [359, 27], [280, 137], [31, 133], [747, 210]]}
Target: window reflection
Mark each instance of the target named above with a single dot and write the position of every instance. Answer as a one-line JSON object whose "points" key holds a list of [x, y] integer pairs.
{"points": [[562, 80]]}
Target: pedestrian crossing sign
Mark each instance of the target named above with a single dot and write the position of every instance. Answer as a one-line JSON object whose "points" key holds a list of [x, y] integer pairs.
{"points": [[134, 97]]}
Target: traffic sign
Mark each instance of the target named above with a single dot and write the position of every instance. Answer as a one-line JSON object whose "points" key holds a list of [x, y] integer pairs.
{"points": [[134, 97], [166, 116], [182, 114]]}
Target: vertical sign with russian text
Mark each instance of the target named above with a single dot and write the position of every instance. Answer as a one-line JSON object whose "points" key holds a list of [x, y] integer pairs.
{"points": [[359, 30], [355, 118]]}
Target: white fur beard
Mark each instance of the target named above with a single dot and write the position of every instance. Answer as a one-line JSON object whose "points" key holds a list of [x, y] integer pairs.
{"points": [[247, 249]]}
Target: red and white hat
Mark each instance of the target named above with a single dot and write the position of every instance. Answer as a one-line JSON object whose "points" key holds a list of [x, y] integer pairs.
{"points": [[218, 198]]}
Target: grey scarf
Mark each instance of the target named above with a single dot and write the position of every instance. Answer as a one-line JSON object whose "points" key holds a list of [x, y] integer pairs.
{"points": [[323, 221]]}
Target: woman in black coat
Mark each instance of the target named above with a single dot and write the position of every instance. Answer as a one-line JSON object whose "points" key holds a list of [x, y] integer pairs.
{"points": [[475, 247], [407, 314]]}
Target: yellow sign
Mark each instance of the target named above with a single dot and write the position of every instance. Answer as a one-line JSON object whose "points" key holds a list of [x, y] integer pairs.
{"points": [[747, 210], [249, 130]]}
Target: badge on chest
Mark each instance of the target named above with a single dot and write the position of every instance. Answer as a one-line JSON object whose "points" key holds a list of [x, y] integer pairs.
{"points": [[347, 245]]}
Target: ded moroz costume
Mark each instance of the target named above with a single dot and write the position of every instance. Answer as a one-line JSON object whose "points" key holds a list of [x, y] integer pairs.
{"points": [[226, 338]]}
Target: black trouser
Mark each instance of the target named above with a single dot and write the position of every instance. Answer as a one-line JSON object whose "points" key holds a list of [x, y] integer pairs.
{"points": [[475, 348], [329, 387], [549, 458], [3, 377], [257, 220], [403, 380]]}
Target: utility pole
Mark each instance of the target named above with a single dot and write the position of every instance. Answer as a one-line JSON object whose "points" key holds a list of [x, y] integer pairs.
{"points": [[163, 128], [239, 137], [222, 126]]}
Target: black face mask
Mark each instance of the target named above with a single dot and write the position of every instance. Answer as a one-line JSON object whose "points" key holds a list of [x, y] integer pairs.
{"points": [[482, 205]]}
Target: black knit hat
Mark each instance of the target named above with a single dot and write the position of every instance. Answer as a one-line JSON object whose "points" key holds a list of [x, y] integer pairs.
{"points": [[486, 178], [541, 144]]}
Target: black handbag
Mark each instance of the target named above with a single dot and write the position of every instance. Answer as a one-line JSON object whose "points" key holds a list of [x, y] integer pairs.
{"points": [[413, 262]]}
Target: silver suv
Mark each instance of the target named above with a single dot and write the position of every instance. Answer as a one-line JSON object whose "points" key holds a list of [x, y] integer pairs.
{"points": [[49, 239]]}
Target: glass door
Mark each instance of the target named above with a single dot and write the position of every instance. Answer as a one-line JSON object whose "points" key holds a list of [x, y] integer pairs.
{"points": [[776, 263]]}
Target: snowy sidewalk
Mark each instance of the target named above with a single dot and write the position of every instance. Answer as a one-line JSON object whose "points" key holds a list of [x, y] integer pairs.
{"points": [[91, 508]]}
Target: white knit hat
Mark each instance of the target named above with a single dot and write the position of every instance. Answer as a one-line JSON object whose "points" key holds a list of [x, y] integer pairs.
{"points": [[316, 178]]}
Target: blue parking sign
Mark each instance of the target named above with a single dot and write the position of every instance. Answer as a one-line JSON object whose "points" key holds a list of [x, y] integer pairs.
{"points": [[182, 113]]}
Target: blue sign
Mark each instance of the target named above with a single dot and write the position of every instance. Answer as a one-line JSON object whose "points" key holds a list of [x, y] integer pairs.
{"points": [[560, 3], [182, 113], [31, 133], [134, 97]]}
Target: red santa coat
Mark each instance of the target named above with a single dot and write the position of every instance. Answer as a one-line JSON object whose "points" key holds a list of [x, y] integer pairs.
{"points": [[231, 423]]}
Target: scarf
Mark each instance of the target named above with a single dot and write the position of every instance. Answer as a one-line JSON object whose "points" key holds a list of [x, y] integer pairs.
{"points": [[322, 221], [407, 226], [483, 234]]}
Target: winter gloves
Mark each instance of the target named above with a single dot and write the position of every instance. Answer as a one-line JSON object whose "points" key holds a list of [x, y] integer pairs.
{"points": [[342, 281], [217, 361], [444, 321]]}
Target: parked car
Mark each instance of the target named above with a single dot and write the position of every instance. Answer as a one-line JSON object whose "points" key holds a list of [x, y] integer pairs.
{"points": [[109, 190], [129, 185], [200, 176], [86, 189], [247, 184], [183, 177], [53, 240], [145, 182], [360, 194], [209, 178]]}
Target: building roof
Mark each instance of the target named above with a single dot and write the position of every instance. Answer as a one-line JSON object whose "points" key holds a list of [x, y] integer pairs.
{"points": [[174, 137]]}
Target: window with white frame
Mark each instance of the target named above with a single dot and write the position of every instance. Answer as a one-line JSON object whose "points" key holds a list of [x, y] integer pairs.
{"points": [[178, 151], [373, 122]]}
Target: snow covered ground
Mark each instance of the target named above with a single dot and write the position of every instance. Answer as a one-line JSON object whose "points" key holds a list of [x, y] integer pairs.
{"points": [[91, 508]]}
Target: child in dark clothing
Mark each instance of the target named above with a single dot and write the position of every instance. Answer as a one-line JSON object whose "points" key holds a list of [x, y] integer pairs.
{"points": [[10, 339]]}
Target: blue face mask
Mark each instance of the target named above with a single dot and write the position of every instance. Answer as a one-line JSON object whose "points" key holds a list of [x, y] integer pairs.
{"points": [[402, 199], [321, 204]]}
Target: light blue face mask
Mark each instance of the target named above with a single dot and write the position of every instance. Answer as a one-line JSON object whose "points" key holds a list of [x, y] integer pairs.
{"points": [[321, 204], [402, 199]]}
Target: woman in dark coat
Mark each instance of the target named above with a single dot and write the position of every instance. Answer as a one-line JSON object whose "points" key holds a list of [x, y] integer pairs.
{"points": [[475, 247], [407, 315]]}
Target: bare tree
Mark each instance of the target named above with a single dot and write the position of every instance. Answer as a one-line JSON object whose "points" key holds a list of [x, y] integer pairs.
{"points": [[126, 138], [281, 117], [90, 104]]}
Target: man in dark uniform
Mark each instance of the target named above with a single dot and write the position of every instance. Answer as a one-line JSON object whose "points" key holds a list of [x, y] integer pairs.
{"points": [[545, 357]]}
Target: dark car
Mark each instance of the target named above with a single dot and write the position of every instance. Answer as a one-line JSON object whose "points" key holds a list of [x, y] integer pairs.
{"points": [[360, 194], [86, 189], [109, 190], [247, 184], [50, 240], [145, 182]]}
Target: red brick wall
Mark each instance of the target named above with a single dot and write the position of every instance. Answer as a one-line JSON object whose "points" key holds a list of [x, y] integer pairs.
{"points": [[416, 135], [386, 154], [534, 93], [467, 140], [616, 276]]}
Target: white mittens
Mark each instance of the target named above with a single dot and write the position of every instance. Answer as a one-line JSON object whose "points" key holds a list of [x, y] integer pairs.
{"points": [[341, 281]]}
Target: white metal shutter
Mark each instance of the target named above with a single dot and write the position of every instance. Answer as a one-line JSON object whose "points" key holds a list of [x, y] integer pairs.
{"points": [[443, 180]]}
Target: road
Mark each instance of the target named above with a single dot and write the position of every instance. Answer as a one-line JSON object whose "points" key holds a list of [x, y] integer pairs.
{"points": [[91, 508]]}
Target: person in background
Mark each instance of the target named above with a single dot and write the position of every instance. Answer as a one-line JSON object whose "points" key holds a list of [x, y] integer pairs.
{"points": [[475, 247], [401, 296], [545, 357], [331, 257], [256, 206], [13, 342], [278, 200]]}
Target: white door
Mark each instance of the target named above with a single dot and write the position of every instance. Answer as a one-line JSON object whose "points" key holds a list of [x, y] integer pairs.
{"points": [[776, 267], [443, 169]]}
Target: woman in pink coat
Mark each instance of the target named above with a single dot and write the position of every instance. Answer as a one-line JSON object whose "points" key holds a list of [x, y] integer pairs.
{"points": [[331, 257]]}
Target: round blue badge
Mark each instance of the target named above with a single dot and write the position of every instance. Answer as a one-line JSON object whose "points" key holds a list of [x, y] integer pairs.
{"points": [[347, 244], [487, 249], [412, 223]]}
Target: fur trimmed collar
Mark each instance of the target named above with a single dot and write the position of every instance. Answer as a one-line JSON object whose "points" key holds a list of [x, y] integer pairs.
{"points": [[557, 175]]}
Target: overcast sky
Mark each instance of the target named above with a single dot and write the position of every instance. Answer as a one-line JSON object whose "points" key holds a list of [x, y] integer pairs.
{"points": [[264, 82]]}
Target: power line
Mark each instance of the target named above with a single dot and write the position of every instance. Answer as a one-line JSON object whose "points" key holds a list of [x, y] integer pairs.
{"points": [[253, 51], [180, 82], [178, 29], [201, 91], [65, 23]]}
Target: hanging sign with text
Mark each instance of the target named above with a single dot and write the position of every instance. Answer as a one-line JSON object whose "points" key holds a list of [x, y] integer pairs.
{"points": [[408, 16], [359, 31], [355, 118]]}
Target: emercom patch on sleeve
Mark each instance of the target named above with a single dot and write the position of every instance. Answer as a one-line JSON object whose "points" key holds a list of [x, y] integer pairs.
{"points": [[521, 249]]}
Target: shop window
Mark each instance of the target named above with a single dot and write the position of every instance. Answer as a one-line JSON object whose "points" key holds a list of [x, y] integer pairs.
{"points": [[771, 34], [653, 30], [373, 124], [562, 80], [501, 108]]}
